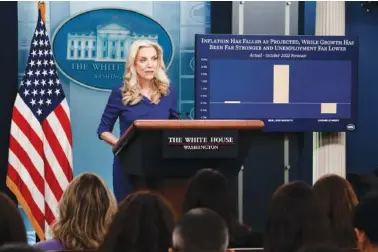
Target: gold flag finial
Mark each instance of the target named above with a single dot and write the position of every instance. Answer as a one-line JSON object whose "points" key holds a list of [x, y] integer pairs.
{"points": [[42, 8]]}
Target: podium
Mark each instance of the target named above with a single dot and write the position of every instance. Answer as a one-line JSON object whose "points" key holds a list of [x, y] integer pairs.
{"points": [[161, 155]]}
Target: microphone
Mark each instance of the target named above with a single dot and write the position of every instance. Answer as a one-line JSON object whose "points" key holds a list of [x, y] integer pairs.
{"points": [[173, 114], [188, 115]]}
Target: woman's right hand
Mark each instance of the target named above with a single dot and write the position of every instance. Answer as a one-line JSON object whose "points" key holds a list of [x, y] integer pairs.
{"points": [[109, 138]]}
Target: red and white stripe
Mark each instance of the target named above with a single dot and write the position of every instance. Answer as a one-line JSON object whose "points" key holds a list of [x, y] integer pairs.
{"points": [[40, 161]]}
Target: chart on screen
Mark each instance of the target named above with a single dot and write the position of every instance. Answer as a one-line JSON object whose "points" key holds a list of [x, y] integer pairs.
{"points": [[292, 83]]}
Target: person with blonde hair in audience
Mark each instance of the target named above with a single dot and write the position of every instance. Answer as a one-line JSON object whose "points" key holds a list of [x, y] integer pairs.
{"points": [[144, 223], [365, 222], [86, 209], [295, 219], [12, 228], [338, 199]]}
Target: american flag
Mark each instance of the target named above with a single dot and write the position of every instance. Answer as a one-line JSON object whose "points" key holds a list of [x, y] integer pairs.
{"points": [[40, 148]]}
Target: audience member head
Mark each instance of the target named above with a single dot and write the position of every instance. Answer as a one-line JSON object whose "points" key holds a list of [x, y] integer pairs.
{"points": [[144, 223], [85, 210], [295, 218], [200, 230], [208, 188], [18, 247], [338, 199], [366, 222], [320, 247], [12, 228]]}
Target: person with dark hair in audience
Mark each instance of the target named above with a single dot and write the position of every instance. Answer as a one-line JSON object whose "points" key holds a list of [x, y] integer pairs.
{"points": [[338, 199], [208, 188], [366, 223], [144, 223], [19, 247], [200, 230], [12, 228], [86, 210], [295, 218]]}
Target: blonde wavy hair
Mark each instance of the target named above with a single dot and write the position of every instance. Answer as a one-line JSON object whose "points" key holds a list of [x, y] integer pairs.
{"points": [[86, 210], [131, 93]]}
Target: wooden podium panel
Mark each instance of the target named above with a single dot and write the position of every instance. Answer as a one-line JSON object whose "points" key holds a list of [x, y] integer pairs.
{"points": [[172, 189], [151, 162]]}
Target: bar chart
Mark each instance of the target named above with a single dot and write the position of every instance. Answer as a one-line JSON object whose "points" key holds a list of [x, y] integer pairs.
{"points": [[290, 89]]}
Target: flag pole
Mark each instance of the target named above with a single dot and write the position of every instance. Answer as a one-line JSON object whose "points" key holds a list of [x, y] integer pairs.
{"points": [[42, 8], [34, 142]]}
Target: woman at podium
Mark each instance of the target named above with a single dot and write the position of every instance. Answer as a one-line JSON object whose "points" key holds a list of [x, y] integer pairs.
{"points": [[146, 93]]}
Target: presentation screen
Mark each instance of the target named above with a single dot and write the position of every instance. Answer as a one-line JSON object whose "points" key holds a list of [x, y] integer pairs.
{"points": [[292, 83]]}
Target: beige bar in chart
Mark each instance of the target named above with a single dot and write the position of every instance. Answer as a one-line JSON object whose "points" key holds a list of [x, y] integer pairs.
{"points": [[328, 108], [281, 83]]}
